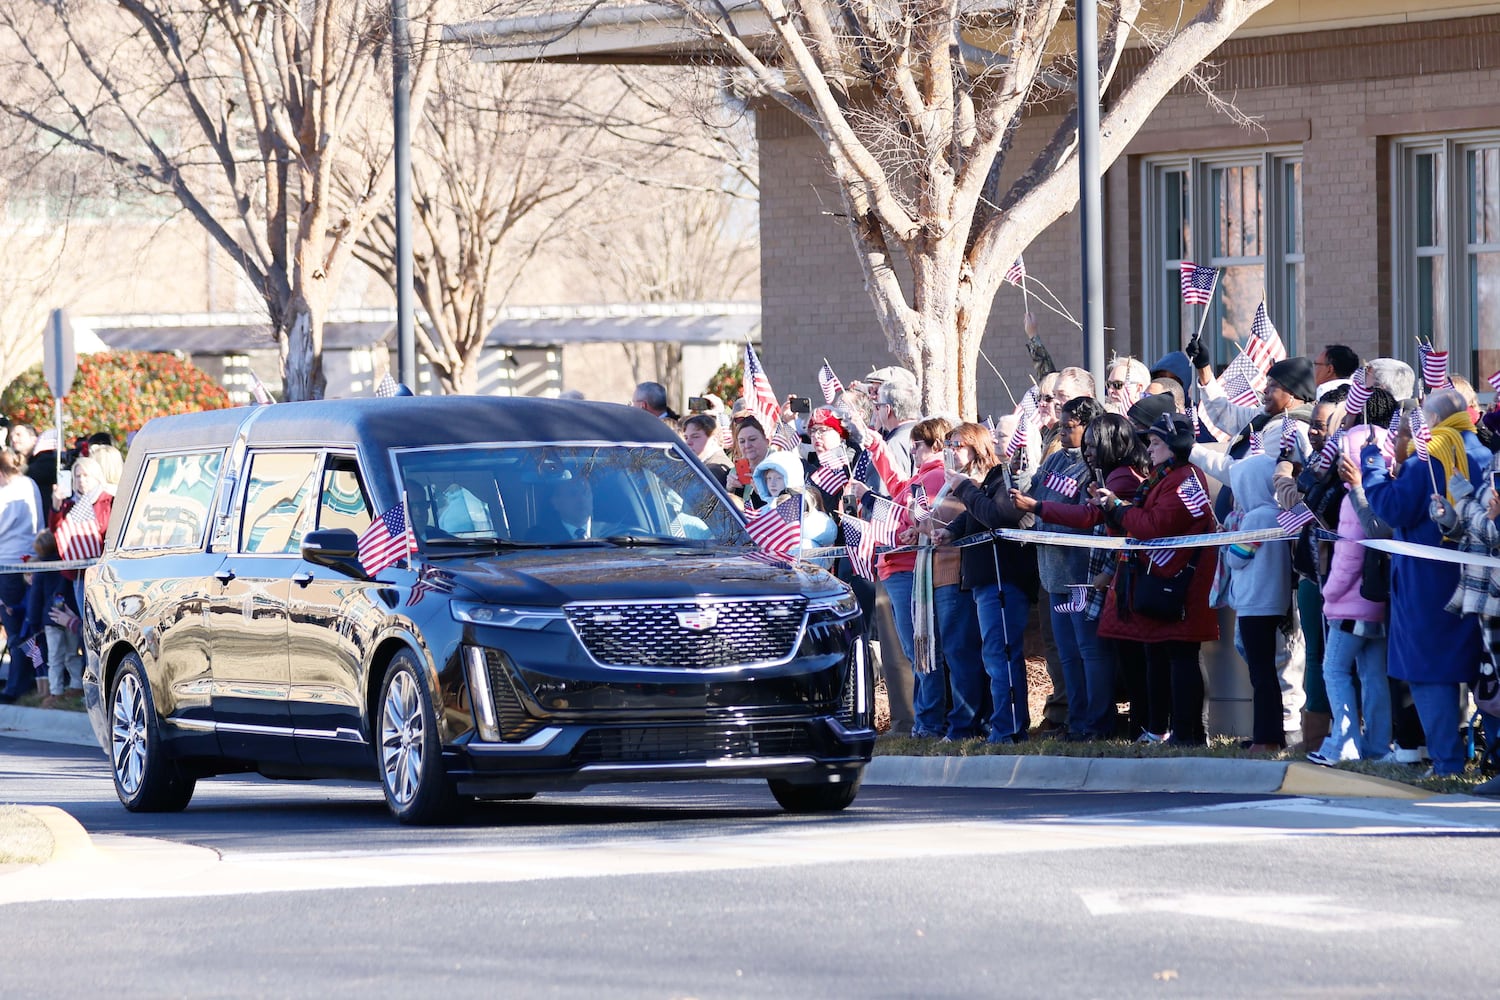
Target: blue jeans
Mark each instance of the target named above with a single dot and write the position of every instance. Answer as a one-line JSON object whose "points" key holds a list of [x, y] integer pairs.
{"points": [[958, 627], [22, 677], [930, 690], [1437, 707], [1088, 666], [1002, 623], [1363, 730]]}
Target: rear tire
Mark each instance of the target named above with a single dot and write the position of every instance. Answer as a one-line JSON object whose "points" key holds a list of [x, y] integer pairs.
{"points": [[830, 797], [409, 754], [146, 778]]}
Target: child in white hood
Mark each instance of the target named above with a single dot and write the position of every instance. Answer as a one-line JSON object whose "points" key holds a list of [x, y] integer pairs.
{"points": [[777, 478]]}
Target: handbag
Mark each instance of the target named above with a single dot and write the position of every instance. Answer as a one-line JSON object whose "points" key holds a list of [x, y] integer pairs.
{"points": [[1375, 576], [1164, 597]]}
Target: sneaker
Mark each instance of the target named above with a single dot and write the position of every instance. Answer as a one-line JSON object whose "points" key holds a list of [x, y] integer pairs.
{"points": [[1049, 728], [1314, 757], [1149, 737]]}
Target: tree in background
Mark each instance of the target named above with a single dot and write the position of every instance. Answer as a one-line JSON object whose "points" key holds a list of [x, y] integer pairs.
{"points": [[261, 120], [115, 391], [917, 105]]}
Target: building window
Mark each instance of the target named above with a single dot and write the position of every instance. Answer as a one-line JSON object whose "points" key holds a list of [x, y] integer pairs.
{"points": [[1241, 212], [1447, 249]]}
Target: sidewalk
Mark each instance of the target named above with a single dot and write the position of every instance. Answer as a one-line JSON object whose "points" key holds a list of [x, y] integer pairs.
{"points": [[1218, 775]]}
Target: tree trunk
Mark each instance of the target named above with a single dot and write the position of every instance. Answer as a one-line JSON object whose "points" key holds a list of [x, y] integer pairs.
{"points": [[302, 351]]}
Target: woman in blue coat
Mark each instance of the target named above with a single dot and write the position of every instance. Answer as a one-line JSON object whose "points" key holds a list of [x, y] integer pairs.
{"points": [[1430, 648]]}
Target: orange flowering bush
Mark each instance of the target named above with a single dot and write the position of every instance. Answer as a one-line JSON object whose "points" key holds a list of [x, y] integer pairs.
{"points": [[727, 382], [115, 391]]}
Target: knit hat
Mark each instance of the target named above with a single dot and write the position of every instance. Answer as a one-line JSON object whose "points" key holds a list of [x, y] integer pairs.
{"points": [[824, 417], [1295, 375], [1177, 366], [1149, 409], [1176, 431]]}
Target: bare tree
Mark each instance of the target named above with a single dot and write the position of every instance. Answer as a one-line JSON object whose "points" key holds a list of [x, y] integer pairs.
{"points": [[243, 111], [917, 104]]}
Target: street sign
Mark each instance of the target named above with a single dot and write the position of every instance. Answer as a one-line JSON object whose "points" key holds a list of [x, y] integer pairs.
{"points": [[59, 363]]}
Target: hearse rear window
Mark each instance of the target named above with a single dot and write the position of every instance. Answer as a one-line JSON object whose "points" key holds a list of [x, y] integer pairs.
{"points": [[171, 509]]}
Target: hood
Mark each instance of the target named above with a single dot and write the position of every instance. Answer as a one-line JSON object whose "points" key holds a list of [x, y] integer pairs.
{"points": [[1250, 478], [553, 577], [788, 464], [1176, 365]]}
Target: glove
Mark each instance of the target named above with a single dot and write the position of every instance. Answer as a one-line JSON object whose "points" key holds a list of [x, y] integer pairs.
{"points": [[1443, 514], [1371, 460], [1197, 353], [1460, 487]]}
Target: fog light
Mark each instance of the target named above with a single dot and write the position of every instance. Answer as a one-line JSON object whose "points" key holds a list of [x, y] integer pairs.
{"points": [[480, 698]]}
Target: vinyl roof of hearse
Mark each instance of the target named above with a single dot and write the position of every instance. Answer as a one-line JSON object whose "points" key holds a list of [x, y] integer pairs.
{"points": [[407, 421]]}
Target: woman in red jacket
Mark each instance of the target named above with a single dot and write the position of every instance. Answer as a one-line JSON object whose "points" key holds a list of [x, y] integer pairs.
{"points": [[1173, 500]]}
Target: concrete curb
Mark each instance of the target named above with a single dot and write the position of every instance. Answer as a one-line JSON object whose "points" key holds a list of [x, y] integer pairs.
{"points": [[1222, 775], [47, 725], [70, 841]]}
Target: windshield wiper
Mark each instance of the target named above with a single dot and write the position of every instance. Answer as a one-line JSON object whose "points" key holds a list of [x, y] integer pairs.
{"points": [[631, 541], [484, 543]]}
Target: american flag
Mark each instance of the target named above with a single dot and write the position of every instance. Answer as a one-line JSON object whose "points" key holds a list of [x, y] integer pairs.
{"points": [[387, 386], [1359, 393], [79, 535], [1160, 557], [1019, 439], [1295, 519], [1016, 273], [1193, 416], [859, 545], [1494, 381], [33, 652], [1326, 457], [1198, 283], [1434, 367], [1193, 496], [1027, 406], [1256, 447], [1421, 437], [1265, 347], [1058, 483], [785, 438], [386, 541], [831, 477], [1078, 599], [829, 383], [778, 529], [758, 394], [863, 468], [919, 497], [1240, 381], [430, 580], [258, 389], [885, 520], [1288, 433]]}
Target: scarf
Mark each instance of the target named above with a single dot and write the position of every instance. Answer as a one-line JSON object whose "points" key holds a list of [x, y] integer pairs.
{"points": [[1448, 448], [923, 605]]}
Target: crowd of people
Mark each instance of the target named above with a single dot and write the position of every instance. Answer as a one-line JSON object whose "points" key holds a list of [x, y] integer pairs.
{"points": [[39, 610], [1351, 650]]}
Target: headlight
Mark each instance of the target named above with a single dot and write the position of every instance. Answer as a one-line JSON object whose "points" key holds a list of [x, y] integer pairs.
{"points": [[841, 605], [493, 614]]}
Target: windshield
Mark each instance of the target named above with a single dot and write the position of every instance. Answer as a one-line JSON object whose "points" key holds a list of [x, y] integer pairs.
{"points": [[562, 495]]}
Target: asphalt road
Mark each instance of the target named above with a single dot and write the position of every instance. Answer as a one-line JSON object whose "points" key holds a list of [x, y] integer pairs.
{"points": [[707, 890]]}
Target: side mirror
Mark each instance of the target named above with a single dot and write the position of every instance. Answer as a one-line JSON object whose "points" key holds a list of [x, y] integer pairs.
{"points": [[336, 548]]}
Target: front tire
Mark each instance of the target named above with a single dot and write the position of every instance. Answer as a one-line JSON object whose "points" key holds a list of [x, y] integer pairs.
{"points": [[831, 797], [146, 779], [417, 789]]}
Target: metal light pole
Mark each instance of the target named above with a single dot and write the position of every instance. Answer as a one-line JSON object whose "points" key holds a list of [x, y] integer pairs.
{"points": [[406, 341], [1089, 194]]}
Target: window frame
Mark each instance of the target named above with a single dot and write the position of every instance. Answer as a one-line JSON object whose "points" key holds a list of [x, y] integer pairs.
{"points": [[1279, 232]]}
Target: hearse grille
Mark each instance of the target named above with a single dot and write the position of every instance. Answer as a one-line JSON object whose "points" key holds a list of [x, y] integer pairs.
{"points": [[667, 744], [690, 634]]}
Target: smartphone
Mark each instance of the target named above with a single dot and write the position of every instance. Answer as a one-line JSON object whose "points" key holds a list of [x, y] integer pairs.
{"points": [[1495, 481], [65, 480], [742, 469], [950, 460], [699, 404], [799, 404]]}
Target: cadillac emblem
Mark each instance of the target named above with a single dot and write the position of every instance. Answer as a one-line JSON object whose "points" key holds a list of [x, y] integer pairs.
{"points": [[699, 619]]}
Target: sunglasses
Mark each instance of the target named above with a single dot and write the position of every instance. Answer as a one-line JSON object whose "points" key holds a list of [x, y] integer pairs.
{"points": [[1116, 384]]}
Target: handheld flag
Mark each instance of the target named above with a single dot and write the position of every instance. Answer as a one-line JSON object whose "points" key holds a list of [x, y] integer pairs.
{"points": [[778, 529], [1078, 599], [829, 383], [387, 387], [1193, 496], [1198, 283], [1434, 367], [758, 394], [859, 545], [1421, 437], [1294, 520], [1016, 273], [79, 535]]}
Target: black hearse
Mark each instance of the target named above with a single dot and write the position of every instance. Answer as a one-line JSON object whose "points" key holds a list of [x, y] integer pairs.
{"points": [[577, 602]]}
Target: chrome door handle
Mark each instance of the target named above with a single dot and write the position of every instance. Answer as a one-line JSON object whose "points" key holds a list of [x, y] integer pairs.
{"points": [[224, 575], [302, 579]]}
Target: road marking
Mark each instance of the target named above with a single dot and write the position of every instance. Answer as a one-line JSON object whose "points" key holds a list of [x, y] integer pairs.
{"points": [[137, 868], [1314, 914]]}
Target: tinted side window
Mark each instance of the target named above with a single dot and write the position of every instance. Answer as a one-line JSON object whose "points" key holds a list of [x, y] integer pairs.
{"points": [[274, 496], [342, 502], [171, 509]]}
